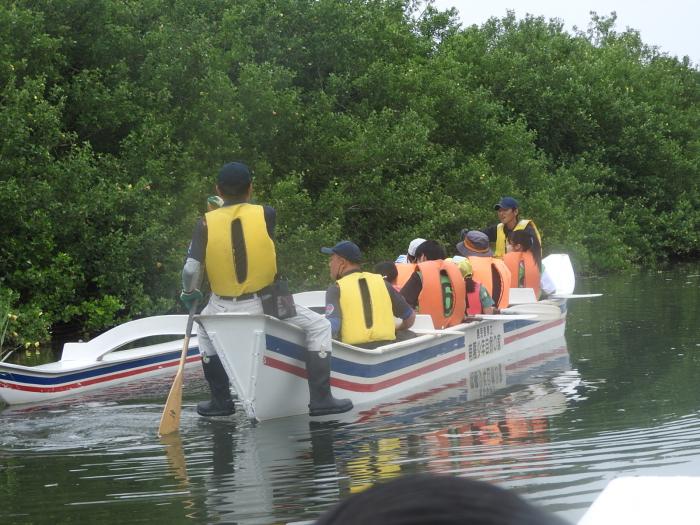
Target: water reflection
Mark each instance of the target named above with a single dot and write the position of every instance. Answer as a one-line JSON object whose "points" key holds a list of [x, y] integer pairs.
{"points": [[294, 468], [502, 403]]}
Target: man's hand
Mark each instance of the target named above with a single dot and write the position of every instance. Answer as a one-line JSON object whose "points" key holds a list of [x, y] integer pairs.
{"points": [[190, 298]]}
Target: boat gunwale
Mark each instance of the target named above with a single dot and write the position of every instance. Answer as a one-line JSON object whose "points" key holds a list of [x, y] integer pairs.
{"points": [[421, 337]]}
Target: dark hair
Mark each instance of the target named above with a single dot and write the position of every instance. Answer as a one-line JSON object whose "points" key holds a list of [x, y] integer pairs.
{"points": [[234, 192], [436, 499], [521, 237], [471, 285], [432, 250], [387, 269]]}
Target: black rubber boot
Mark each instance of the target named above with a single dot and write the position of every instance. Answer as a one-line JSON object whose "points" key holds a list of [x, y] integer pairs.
{"points": [[221, 403], [322, 402]]}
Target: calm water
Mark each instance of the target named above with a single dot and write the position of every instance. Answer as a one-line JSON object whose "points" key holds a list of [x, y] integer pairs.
{"points": [[619, 396]]}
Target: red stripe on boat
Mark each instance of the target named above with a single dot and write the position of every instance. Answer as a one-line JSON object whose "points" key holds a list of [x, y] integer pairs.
{"points": [[532, 331], [101, 379], [366, 387], [537, 358]]}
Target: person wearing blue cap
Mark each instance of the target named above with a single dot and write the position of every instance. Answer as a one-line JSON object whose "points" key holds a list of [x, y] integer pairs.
{"points": [[234, 245], [361, 306], [509, 221]]}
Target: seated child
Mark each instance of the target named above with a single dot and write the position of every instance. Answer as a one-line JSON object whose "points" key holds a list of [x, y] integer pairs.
{"points": [[387, 269]]}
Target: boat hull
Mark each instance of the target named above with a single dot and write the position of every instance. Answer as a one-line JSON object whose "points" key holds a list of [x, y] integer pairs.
{"points": [[264, 358], [30, 386], [102, 362]]}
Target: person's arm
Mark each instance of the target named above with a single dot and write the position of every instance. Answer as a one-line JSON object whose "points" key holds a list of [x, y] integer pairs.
{"points": [[333, 313], [270, 220], [487, 302], [401, 308], [411, 290], [521, 274], [192, 272]]}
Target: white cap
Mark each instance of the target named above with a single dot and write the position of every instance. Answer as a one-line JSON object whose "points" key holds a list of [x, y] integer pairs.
{"points": [[413, 245]]}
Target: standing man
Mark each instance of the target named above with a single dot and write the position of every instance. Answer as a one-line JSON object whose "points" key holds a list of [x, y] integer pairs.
{"points": [[361, 306], [508, 215], [234, 244]]}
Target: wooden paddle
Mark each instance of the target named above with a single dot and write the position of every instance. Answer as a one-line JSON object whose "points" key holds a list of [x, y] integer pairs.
{"points": [[170, 420]]}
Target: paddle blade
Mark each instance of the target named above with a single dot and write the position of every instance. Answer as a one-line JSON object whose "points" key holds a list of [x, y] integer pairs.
{"points": [[542, 311], [176, 456], [170, 420]]}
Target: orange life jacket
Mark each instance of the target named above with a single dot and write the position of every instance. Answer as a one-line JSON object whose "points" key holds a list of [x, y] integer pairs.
{"points": [[432, 299], [494, 275], [532, 272], [405, 270], [516, 425], [487, 433]]}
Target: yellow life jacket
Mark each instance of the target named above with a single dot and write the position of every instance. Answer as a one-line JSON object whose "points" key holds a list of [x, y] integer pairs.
{"points": [[500, 248], [366, 309], [240, 227]]}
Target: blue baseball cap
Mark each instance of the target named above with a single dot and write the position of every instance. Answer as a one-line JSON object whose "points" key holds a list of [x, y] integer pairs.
{"points": [[345, 249], [506, 202]]}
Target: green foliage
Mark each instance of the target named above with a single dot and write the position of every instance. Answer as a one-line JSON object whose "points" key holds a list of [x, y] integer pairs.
{"points": [[377, 121]]}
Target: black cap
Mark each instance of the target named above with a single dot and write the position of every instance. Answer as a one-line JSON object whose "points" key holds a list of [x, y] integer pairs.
{"points": [[345, 249], [234, 178]]}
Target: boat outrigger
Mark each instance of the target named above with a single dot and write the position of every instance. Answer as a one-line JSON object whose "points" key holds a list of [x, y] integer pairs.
{"points": [[111, 358]]}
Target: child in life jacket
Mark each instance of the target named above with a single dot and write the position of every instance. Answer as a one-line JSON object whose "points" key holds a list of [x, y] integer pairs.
{"points": [[520, 260], [478, 299], [387, 269]]}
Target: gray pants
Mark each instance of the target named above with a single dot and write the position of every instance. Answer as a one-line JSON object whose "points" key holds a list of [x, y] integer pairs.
{"points": [[316, 326]]}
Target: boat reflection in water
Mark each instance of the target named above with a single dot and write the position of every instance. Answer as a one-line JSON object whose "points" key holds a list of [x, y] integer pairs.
{"points": [[470, 424], [292, 468]]}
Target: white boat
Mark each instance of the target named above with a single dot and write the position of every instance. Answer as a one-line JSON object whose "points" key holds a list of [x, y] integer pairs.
{"points": [[264, 357], [134, 350], [646, 500]]}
